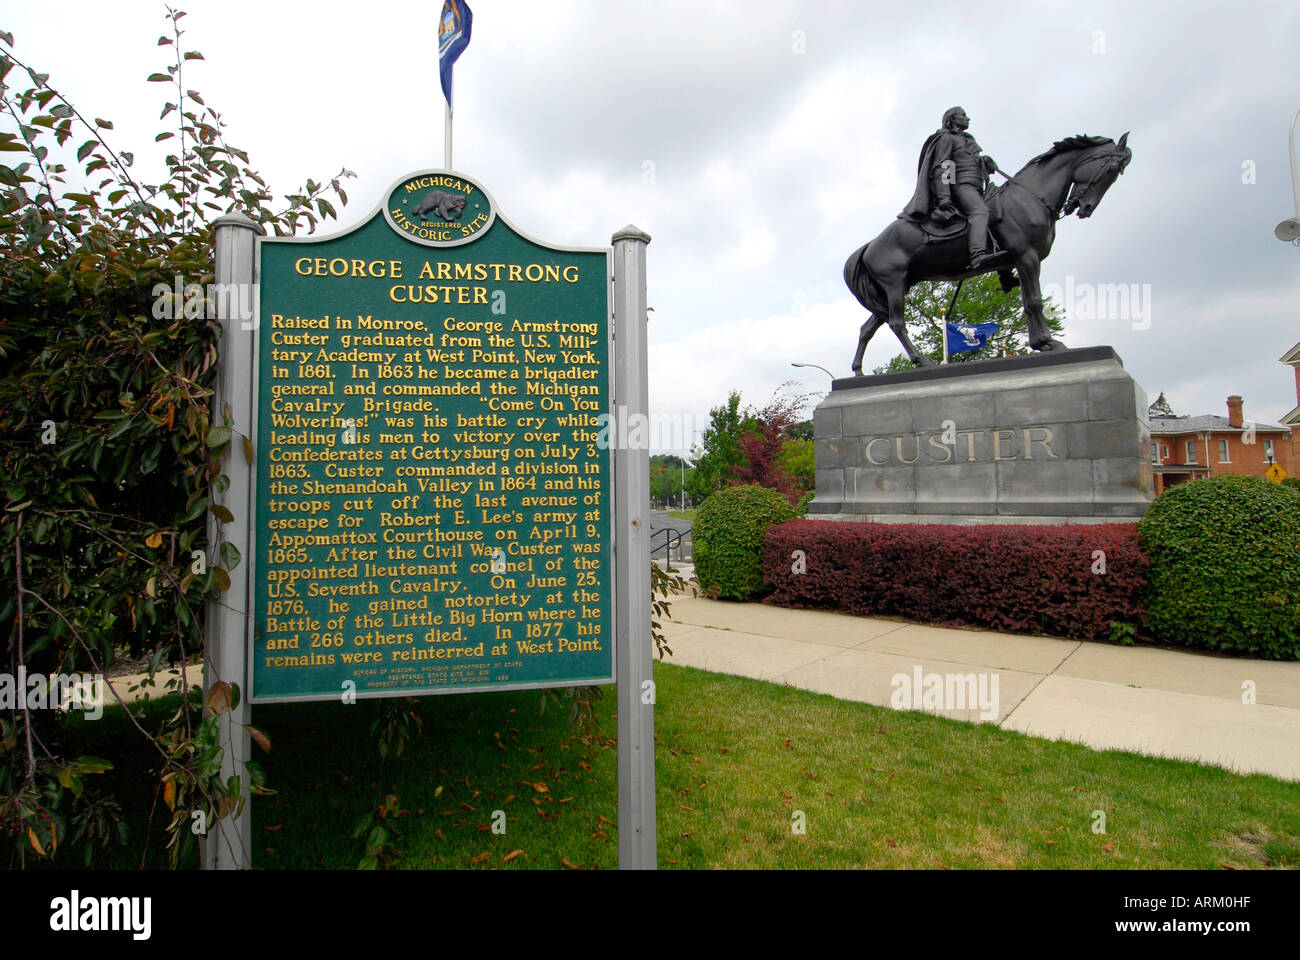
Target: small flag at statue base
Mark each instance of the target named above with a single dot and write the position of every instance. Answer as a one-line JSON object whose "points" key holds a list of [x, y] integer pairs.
{"points": [[965, 337], [453, 37]]}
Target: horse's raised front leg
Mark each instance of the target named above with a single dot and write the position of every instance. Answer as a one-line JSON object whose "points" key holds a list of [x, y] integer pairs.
{"points": [[1040, 338], [864, 336]]}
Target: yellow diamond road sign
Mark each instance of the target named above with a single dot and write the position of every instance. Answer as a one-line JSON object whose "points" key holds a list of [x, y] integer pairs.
{"points": [[1275, 473]]}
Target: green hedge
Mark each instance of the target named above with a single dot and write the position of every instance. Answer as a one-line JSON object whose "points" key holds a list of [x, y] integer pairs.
{"points": [[1225, 566], [727, 538]]}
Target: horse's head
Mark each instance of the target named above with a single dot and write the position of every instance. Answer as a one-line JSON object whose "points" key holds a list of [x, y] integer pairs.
{"points": [[1093, 175]]}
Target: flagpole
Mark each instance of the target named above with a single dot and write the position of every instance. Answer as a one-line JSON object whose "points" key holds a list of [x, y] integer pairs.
{"points": [[455, 25], [447, 140], [948, 313]]}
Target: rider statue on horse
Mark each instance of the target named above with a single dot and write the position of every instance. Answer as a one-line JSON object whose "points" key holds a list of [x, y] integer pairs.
{"points": [[925, 243], [952, 168]]}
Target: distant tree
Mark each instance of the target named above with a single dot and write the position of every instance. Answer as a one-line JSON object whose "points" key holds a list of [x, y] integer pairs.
{"points": [[670, 460], [1160, 408], [746, 446], [719, 453], [803, 430], [667, 474], [796, 460], [665, 483], [764, 441], [982, 300]]}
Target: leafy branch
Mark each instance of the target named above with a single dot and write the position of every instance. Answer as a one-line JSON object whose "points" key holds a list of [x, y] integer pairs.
{"points": [[111, 456]]}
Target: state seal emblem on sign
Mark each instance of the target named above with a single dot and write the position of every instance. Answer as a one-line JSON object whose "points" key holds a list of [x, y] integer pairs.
{"points": [[439, 209]]}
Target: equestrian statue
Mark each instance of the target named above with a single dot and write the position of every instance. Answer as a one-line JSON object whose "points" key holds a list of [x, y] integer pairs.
{"points": [[944, 232]]}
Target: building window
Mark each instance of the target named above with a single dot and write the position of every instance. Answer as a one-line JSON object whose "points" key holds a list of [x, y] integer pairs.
{"points": [[1223, 452], [1191, 451], [1155, 453], [1268, 450]]}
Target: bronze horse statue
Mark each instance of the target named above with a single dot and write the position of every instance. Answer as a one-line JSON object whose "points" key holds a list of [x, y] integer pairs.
{"points": [[1072, 176]]}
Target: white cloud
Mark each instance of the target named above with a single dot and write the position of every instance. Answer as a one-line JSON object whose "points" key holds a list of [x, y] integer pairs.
{"points": [[769, 166]]}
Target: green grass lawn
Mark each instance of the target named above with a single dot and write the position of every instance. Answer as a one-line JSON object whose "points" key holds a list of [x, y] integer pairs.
{"points": [[688, 514], [737, 760]]}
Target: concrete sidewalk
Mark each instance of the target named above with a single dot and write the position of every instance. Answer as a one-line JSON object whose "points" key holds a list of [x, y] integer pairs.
{"points": [[1171, 703], [1160, 702]]}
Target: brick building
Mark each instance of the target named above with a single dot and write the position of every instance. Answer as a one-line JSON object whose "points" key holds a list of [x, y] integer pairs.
{"points": [[1190, 448]]}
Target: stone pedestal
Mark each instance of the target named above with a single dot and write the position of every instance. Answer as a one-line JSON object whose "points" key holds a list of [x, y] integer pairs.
{"points": [[1057, 437]]}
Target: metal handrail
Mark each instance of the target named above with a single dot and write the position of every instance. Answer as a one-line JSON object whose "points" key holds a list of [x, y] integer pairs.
{"points": [[671, 536]]}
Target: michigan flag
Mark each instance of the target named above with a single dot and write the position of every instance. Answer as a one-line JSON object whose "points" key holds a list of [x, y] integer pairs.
{"points": [[453, 38], [964, 337]]}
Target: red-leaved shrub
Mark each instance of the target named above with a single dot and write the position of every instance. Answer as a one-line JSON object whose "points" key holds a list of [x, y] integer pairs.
{"points": [[1041, 579]]}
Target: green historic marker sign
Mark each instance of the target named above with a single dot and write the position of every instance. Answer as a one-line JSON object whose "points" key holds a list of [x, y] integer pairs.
{"points": [[432, 494]]}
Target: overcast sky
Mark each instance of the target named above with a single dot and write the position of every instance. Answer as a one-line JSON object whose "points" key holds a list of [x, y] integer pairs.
{"points": [[760, 143]]}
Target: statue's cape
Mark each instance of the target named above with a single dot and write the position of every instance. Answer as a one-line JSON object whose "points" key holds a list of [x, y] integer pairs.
{"points": [[918, 208]]}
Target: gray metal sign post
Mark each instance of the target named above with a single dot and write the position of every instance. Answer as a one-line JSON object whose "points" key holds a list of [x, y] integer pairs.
{"points": [[227, 844], [634, 659]]}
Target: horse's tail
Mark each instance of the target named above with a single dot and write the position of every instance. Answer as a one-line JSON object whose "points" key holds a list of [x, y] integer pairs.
{"points": [[859, 280]]}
